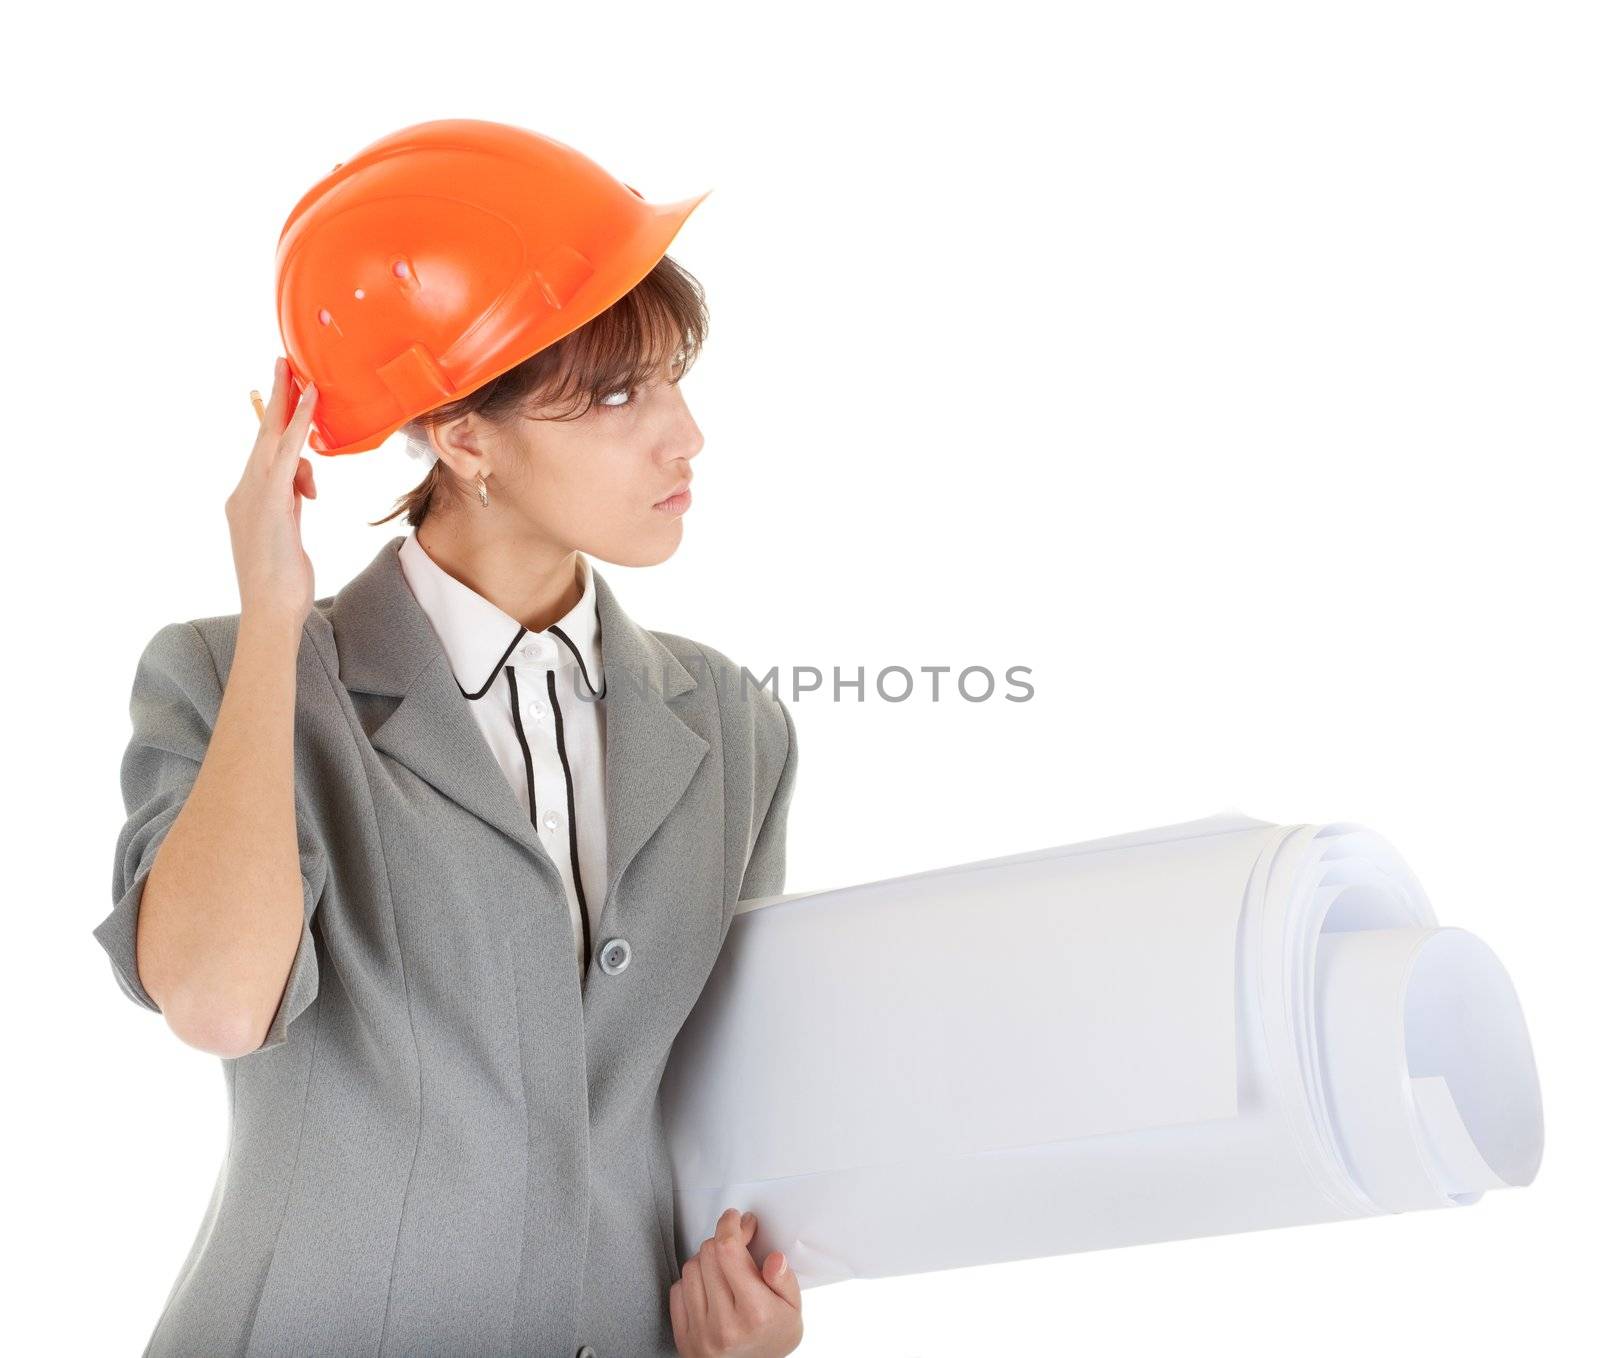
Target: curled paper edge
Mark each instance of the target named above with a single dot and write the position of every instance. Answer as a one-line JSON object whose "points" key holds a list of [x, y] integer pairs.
{"points": [[814, 1267]]}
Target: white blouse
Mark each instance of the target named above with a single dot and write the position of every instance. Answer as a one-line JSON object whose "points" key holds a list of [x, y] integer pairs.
{"points": [[532, 695]]}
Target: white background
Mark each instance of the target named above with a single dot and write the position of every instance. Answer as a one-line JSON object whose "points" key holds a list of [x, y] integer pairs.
{"points": [[1232, 366]]}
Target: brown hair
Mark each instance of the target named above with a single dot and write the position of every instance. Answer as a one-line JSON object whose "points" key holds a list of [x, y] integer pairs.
{"points": [[663, 317]]}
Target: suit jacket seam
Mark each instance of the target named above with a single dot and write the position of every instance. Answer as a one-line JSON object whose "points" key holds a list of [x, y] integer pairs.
{"points": [[405, 978]]}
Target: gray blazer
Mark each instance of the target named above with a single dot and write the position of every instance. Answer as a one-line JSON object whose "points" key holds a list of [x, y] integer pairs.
{"points": [[449, 1143]]}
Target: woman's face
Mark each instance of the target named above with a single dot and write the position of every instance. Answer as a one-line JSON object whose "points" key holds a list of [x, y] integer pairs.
{"points": [[596, 483]]}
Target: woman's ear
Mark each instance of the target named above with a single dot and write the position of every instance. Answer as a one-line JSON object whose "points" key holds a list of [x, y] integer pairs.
{"points": [[459, 444]]}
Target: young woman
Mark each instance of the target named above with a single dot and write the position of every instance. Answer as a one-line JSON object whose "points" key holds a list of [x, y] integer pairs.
{"points": [[439, 864]]}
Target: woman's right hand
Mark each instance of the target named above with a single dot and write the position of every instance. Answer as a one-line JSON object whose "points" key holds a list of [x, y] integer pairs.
{"points": [[275, 575]]}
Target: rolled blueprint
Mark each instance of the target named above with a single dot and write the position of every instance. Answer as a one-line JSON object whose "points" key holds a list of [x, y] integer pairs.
{"points": [[1224, 1025]]}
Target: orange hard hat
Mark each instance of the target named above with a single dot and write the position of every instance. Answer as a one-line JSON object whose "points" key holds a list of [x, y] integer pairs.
{"points": [[443, 255]]}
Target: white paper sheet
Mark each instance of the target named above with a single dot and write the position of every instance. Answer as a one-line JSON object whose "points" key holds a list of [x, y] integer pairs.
{"points": [[1090, 1046]]}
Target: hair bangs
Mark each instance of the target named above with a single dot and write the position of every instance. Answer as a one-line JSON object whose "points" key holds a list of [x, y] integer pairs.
{"points": [[655, 329]]}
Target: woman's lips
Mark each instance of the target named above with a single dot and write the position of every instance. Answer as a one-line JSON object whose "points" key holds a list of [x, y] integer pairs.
{"points": [[675, 503]]}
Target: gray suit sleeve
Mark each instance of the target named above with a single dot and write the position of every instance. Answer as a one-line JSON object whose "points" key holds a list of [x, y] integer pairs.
{"points": [[765, 871], [175, 699]]}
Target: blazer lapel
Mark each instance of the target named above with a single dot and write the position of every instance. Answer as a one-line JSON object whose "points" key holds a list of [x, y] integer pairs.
{"points": [[651, 752], [386, 645]]}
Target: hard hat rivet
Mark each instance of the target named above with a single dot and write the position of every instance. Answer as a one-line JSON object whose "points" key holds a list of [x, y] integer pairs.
{"points": [[325, 316], [360, 293], [400, 269]]}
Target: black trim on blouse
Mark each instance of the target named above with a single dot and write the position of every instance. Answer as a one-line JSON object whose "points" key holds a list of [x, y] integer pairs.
{"points": [[561, 749], [473, 697], [522, 739], [572, 816], [582, 668]]}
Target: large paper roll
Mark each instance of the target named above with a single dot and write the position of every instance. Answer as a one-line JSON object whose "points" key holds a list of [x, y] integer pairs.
{"points": [[1219, 1026]]}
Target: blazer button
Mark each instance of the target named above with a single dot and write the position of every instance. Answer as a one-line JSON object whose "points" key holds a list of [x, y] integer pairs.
{"points": [[614, 955]]}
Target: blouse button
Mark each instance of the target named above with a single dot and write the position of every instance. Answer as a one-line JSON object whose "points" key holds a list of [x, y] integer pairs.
{"points": [[551, 820], [614, 955]]}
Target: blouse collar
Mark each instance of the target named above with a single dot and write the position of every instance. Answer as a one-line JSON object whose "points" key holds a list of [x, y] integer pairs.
{"points": [[480, 638]]}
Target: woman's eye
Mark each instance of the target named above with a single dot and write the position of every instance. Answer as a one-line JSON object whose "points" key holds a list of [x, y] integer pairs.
{"points": [[609, 398]]}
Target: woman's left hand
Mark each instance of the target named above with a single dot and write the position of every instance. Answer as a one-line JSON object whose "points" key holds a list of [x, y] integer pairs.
{"points": [[725, 1307]]}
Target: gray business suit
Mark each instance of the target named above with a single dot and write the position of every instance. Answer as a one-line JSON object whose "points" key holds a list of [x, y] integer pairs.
{"points": [[445, 1145]]}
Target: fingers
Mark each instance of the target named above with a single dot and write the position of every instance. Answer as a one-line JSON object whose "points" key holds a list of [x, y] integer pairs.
{"points": [[273, 415], [715, 1266], [692, 1295], [277, 407], [274, 437], [725, 1302], [678, 1309], [778, 1276], [294, 435], [734, 1234]]}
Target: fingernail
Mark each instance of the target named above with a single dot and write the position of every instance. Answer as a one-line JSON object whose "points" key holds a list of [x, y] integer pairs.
{"points": [[744, 1219], [783, 1264]]}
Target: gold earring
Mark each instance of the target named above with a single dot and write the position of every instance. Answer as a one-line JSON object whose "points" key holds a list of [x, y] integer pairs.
{"points": [[483, 491]]}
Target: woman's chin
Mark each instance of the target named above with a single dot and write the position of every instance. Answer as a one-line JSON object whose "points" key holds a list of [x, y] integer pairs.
{"points": [[647, 549]]}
